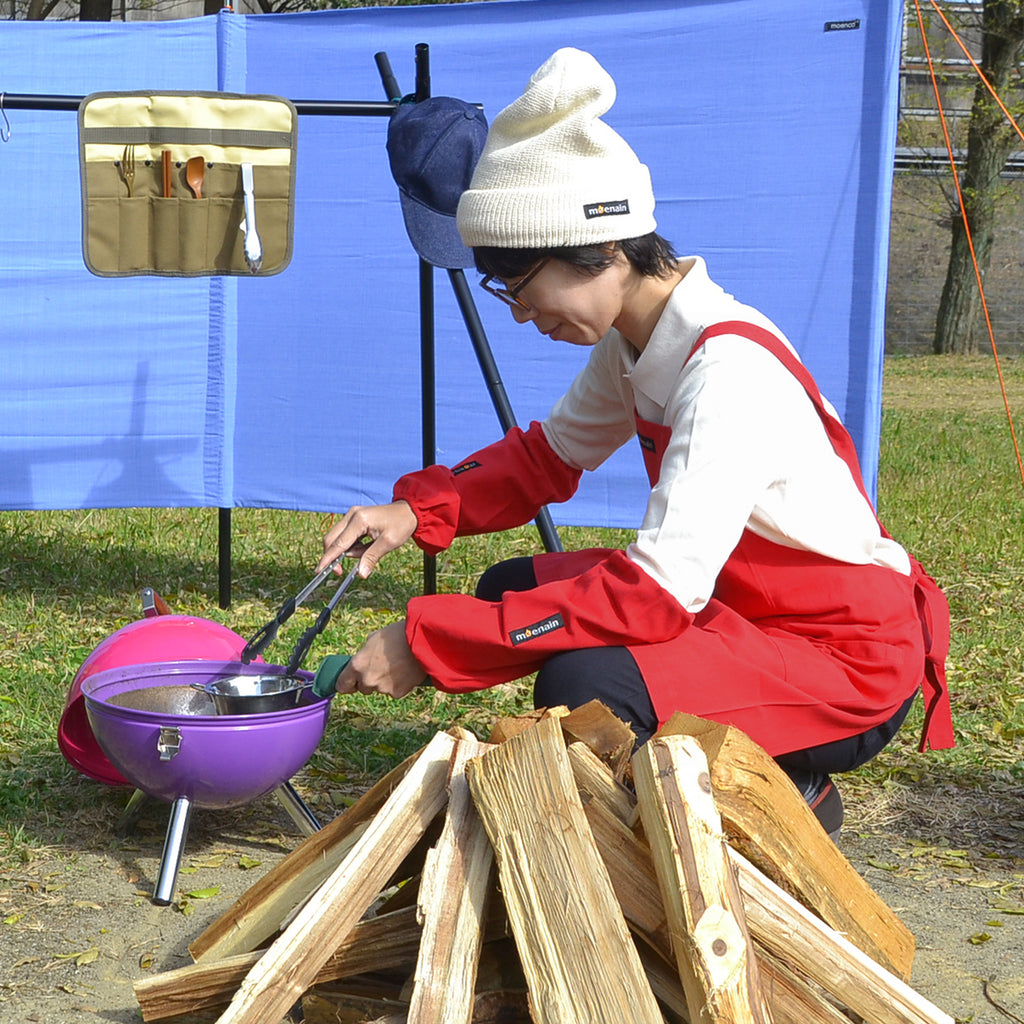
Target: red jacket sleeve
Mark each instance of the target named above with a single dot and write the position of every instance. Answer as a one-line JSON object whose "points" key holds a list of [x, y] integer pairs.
{"points": [[498, 487], [465, 644]]}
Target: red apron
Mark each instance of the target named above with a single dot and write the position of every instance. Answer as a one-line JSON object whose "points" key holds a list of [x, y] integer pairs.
{"points": [[794, 648]]}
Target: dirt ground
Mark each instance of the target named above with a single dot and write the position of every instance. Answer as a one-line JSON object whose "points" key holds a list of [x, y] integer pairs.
{"points": [[78, 927]]}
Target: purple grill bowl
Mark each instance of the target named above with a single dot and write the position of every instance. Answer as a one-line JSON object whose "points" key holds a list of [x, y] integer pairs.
{"points": [[214, 760]]}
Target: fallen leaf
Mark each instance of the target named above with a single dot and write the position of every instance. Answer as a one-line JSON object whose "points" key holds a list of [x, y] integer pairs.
{"points": [[882, 865], [211, 862], [245, 862], [979, 938], [203, 894]]}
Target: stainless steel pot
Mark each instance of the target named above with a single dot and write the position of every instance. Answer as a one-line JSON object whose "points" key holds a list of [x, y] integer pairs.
{"points": [[254, 695]]}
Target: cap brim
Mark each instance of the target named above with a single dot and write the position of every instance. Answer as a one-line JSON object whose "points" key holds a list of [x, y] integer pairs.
{"points": [[434, 236]]}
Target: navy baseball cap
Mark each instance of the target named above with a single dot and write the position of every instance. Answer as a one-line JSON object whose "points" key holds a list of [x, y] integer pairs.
{"points": [[433, 147]]}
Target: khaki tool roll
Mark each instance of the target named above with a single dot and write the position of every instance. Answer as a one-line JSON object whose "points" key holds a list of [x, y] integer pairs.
{"points": [[141, 215]]}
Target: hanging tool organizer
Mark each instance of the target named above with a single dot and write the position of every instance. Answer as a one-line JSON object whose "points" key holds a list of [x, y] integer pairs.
{"points": [[187, 184], [178, 236]]}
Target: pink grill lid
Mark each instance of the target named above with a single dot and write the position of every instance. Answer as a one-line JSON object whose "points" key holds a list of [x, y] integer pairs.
{"points": [[159, 638]]}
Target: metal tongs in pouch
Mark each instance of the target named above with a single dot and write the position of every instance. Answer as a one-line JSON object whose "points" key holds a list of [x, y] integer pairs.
{"points": [[266, 634]]}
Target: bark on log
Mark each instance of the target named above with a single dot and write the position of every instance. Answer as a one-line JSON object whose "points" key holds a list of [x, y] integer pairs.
{"points": [[768, 821], [713, 949], [291, 964], [577, 955]]}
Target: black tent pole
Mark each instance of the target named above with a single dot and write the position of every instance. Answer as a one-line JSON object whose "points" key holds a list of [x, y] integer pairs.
{"points": [[428, 389], [495, 387], [327, 108]]}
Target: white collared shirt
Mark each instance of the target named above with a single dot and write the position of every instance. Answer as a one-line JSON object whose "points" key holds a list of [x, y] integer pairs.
{"points": [[747, 450]]}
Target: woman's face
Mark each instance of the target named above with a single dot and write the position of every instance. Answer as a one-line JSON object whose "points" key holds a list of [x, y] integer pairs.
{"points": [[567, 305]]}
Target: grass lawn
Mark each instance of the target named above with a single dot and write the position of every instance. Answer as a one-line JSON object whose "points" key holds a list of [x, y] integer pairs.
{"points": [[949, 488]]}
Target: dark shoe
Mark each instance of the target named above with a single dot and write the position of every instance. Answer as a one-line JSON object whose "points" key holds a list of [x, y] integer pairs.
{"points": [[822, 797]]}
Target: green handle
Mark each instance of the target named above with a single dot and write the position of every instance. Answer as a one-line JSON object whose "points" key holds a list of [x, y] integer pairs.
{"points": [[326, 677]]}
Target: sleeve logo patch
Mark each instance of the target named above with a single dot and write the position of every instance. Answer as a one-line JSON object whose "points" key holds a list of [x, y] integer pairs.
{"points": [[521, 636], [616, 208], [472, 464]]}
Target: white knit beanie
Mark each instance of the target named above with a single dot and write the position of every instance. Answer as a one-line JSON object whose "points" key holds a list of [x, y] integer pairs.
{"points": [[552, 173]]}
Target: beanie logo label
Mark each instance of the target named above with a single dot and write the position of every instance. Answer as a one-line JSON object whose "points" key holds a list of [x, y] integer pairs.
{"points": [[520, 636], [472, 464], [615, 209]]}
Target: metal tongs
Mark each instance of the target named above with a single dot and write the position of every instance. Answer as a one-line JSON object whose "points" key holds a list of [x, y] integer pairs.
{"points": [[265, 635]]}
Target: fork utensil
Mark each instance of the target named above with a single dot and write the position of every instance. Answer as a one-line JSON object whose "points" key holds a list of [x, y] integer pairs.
{"points": [[128, 168]]}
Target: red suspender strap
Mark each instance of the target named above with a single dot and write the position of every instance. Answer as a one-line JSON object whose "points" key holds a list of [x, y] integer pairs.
{"points": [[932, 607]]}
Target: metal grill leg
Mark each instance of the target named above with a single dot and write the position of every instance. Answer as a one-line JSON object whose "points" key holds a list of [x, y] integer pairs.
{"points": [[297, 808], [174, 844]]}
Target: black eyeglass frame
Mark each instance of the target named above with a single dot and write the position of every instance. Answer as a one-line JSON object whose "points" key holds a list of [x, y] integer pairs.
{"points": [[510, 296]]}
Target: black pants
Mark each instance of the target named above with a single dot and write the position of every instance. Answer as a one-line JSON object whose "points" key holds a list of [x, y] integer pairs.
{"points": [[610, 675]]}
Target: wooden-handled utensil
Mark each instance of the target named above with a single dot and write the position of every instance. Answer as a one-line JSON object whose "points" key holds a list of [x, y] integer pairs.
{"points": [[167, 173], [195, 169]]}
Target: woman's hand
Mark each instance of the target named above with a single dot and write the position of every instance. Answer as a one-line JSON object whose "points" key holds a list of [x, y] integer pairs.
{"points": [[384, 664], [387, 527]]}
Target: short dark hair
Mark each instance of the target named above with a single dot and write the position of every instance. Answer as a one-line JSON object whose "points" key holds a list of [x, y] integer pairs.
{"points": [[651, 255]]}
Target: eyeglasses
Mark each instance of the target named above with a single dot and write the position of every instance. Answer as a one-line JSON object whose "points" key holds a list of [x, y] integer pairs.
{"points": [[510, 296]]}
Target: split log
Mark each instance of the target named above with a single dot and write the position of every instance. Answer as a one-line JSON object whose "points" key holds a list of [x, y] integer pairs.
{"points": [[803, 941], [595, 780], [292, 963], [323, 1007], [378, 943], [768, 821], [610, 738], [505, 728], [577, 955], [712, 947], [452, 903], [631, 869], [791, 994], [260, 912], [347, 1003]]}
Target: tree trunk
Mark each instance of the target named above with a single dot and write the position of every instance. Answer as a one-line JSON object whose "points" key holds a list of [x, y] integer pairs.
{"points": [[990, 141]]}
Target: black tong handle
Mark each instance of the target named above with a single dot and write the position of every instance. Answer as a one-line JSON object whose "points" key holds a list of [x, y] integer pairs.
{"points": [[309, 635]]}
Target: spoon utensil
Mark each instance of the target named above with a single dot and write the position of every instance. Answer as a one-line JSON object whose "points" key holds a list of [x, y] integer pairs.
{"points": [[195, 169]]}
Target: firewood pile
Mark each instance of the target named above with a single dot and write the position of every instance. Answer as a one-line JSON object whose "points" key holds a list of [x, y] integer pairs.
{"points": [[552, 875]]}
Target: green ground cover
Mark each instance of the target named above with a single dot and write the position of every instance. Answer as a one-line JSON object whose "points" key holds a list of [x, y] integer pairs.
{"points": [[949, 487]]}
